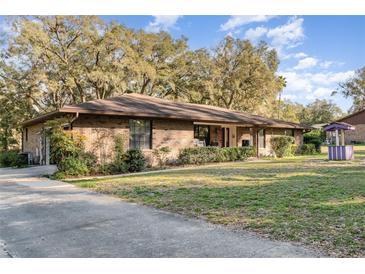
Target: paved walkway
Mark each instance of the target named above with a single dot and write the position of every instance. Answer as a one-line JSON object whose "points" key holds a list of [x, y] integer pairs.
{"points": [[46, 218]]}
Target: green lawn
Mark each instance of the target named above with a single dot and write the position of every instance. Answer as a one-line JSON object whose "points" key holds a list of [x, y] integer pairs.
{"points": [[304, 199]]}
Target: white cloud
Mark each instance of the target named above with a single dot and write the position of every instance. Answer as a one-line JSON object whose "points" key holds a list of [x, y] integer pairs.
{"points": [[162, 23], [300, 55], [255, 34], [305, 63], [296, 83], [330, 78], [281, 37], [321, 92], [240, 20], [326, 64], [289, 35], [310, 86]]}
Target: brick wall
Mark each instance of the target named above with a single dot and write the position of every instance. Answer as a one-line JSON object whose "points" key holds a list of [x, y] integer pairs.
{"points": [[357, 135], [174, 134], [100, 133]]}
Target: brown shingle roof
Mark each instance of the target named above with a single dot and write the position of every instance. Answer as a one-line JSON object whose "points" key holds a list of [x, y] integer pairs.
{"points": [[138, 105]]}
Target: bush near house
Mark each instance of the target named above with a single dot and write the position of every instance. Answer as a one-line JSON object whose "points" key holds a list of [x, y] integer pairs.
{"points": [[315, 137], [119, 164], [135, 160], [201, 155], [282, 145], [73, 166], [8, 158], [12, 158], [68, 151], [161, 155], [307, 149]]}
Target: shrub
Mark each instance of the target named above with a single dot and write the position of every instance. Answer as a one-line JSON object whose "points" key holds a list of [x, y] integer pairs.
{"points": [[119, 164], [59, 175], [307, 149], [73, 166], [281, 145], [64, 144], [135, 160], [116, 167], [105, 169], [8, 158], [119, 147], [200, 155], [294, 149], [89, 159], [319, 133], [68, 151], [161, 155], [314, 137], [21, 160]]}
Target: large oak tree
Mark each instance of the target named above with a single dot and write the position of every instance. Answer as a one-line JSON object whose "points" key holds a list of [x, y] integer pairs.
{"points": [[50, 61]]}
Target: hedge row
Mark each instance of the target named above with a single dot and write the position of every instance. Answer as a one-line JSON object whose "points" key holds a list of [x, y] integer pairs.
{"points": [[200, 155]]}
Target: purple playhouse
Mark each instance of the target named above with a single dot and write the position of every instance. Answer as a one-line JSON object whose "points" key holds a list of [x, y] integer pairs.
{"points": [[339, 151]]}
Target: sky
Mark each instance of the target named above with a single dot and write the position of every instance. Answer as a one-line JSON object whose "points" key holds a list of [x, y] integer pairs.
{"points": [[316, 52]]}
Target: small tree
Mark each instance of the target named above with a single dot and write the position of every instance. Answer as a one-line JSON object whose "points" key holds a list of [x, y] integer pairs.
{"points": [[281, 145], [119, 164]]}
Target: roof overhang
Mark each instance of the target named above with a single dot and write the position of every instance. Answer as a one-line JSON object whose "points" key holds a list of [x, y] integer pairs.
{"points": [[157, 111], [65, 111]]}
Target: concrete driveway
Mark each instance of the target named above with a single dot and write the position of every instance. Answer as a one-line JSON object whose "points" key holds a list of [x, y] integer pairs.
{"points": [[46, 218]]}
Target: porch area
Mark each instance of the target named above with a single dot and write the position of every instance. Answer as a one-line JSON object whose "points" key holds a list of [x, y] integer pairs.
{"points": [[228, 135]]}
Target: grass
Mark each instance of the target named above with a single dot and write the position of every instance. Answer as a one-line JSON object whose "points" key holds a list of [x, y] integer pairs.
{"points": [[305, 199]]}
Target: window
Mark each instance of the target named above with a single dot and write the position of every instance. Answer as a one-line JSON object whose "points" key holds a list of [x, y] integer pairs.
{"points": [[202, 133], [289, 132], [261, 134], [26, 134], [140, 134]]}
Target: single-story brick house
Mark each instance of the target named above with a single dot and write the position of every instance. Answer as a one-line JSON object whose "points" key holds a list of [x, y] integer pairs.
{"points": [[356, 119], [148, 123]]}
